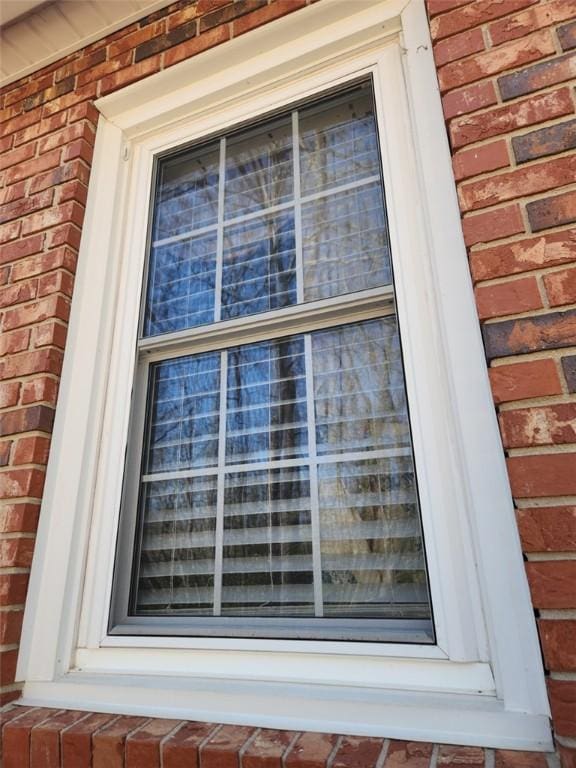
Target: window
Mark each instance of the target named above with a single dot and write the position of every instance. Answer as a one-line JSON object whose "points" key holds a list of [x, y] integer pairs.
{"points": [[277, 491], [373, 663]]}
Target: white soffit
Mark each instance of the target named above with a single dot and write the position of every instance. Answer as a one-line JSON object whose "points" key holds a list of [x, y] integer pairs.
{"points": [[34, 33]]}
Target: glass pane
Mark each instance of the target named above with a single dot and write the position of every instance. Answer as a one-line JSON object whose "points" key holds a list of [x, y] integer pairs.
{"points": [[176, 571], [259, 171], [259, 266], [345, 244], [266, 402], [359, 394], [371, 543], [184, 414], [267, 568], [338, 141]]}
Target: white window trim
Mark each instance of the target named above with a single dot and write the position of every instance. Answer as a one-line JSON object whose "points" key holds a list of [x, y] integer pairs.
{"points": [[483, 682]]}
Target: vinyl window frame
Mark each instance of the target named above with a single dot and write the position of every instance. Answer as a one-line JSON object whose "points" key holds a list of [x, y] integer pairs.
{"points": [[482, 683]]}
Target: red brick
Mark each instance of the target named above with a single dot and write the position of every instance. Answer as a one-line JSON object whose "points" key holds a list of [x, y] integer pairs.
{"points": [[540, 76], [143, 745], [17, 156], [44, 162], [567, 36], [561, 287], [264, 15], [126, 44], [40, 390], [267, 749], [50, 334], [76, 741], [13, 588], [26, 205], [547, 529], [458, 47], [108, 743], [80, 94], [558, 640], [221, 749], [72, 190], [49, 94], [10, 231], [509, 298], [552, 583], [15, 553], [524, 255], [45, 739], [21, 482], [180, 749], [10, 343], [19, 249], [84, 111], [470, 99], [39, 361], [58, 281], [196, 45], [505, 758], [493, 225], [5, 448], [567, 756], [543, 15], [562, 695], [168, 40], [19, 518], [357, 752], [496, 60], [537, 109], [33, 86], [31, 450], [528, 180], [18, 293], [115, 64], [13, 192], [549, 474], [67, 234], [569, 370], [310, 750], [227, 13], [16, 737], [48, 307], [79, 130], [9, 393], [520, 381], [21, 121], [60, 257], [36, 417], [40, 129], [129, 75], [552, 211], [9, 695], [474, 14], [67, 212], [408, 754], [181, 17], [460, 757], [80, 64], [72, 171], [531, 334], [546, 425], [473, 162], [545, 142]]}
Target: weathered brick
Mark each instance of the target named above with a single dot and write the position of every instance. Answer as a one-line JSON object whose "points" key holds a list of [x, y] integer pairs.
{"points": [[546, 425], [558, 640], [265, 15], [108, 743], [67, 234], [569, 368], [530, 334], [26, 205], [128, 42], [521, 381], [16, 156], [45, 308], [63, 137], [357, 752], [83, 111], [19, 249], [67, 212], [19, 518], [527, 180], [21, 92], [470, 99], [10, 231], [537, 109], [182, 17], [458, 46], [143, 745], [562, 695], [62, 257], [19, 122], [310, 750], [39, 361], [561, 286], [63, 102], [113, 64], [539, 76], [45, 739], [13, 192], [75, 170], [198, 44], [40, 128], [129, 75], [542, 15], [493, 225], [505, 758], [17, 341], [473, 162], [567, 755], [228, 12], [408, 754], [552, 211], [496, 60], [180, 748], [545, 141], [13, 588], [221, 749], [38, 417], [9, 393], [547, 474], [267, 749], [61, 88], [165, 41], [547, 529], [31, 450], [524, 255], [73, 190], [16, 736], [76, 741], [10, 626], [8, 661], [21, 482], [17, 552], [473, 14], [509, 298], [5, 449], [567, 36], [80, 64], [460, 757]]}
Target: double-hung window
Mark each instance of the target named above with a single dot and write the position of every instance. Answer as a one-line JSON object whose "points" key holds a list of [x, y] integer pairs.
{"points": [[275, 448], [271, 485]]}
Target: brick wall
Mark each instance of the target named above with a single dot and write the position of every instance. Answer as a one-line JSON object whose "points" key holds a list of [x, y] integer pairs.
{"points": [[506, 70]]}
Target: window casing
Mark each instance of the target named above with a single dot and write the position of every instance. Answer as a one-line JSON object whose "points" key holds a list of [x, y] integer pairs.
{"points": [[481, 681]]}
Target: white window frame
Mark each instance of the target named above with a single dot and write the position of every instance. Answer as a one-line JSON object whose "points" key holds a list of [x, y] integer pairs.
{"points": [[482, 683]]}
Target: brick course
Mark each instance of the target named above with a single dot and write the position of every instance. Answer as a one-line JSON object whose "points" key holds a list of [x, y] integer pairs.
{"points": [[507, 71]]}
